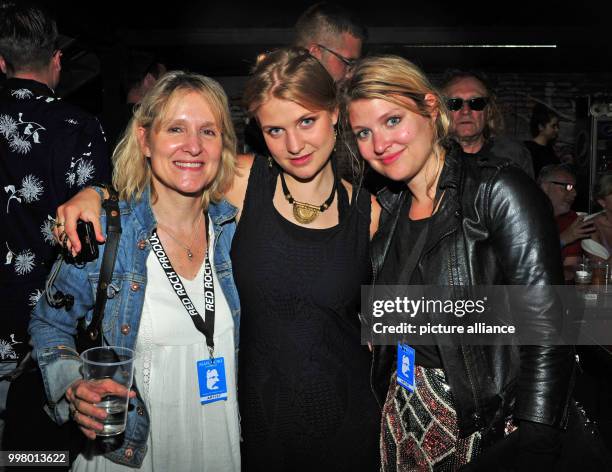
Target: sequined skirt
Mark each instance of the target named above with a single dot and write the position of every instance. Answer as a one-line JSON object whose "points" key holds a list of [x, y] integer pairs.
{"points": [[419, 429]]}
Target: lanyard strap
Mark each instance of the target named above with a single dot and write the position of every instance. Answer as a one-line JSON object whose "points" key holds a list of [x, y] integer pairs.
{"points": [[205, 326]]}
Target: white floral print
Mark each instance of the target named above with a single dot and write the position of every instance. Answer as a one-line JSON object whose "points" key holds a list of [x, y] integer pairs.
{"points": [[34, 297], [19, 145], [85, 171], [24, 261], [81, 171], [47, 230], [20, 142], [22, 93], [10, 189], [31, 188], [8, 126], [30, 191], [6, 350]]}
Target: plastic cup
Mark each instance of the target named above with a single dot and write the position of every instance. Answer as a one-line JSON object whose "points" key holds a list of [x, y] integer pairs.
{"points": [[115, 363]]}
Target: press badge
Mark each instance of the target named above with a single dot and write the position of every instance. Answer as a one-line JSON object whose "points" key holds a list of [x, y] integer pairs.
{"points": [[405, 366], [212, 380]]}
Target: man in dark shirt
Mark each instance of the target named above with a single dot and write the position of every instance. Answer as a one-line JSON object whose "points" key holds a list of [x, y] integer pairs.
{"points": [[48, 151], [544, 127], [476, 122]]}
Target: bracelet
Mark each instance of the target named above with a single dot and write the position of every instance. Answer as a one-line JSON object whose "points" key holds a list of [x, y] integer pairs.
{"points": [[99, 187]]}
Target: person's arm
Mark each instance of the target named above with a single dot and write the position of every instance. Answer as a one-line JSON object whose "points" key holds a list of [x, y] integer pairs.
{"points": [[524, 236], [237, 192], [52, 331]]}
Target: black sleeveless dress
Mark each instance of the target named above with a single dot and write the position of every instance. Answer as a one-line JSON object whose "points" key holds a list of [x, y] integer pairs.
{"points": [[303, 377]]}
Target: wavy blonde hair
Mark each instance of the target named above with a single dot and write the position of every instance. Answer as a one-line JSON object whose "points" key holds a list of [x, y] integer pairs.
{"points": [[132, 171], [395, 79]]}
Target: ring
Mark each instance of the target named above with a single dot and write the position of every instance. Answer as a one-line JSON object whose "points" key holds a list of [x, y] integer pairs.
{"points": [[59, 224], [72, 410]]}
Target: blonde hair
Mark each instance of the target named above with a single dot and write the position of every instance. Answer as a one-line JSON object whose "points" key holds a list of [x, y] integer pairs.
{"points": [[290, 74], [132, 171], [396, 80]]}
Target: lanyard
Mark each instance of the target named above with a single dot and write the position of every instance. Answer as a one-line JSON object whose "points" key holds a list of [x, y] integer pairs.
{"points": [[205, 326]]}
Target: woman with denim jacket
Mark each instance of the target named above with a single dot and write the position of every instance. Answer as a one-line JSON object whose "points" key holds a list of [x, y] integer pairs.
{"points": [[176, 158], [454, 222]]}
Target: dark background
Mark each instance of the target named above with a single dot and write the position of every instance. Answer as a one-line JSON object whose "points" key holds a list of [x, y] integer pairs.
{"points": [[222, 39]]}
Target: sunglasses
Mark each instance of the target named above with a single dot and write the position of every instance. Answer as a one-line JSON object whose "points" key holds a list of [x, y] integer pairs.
{"points": [[349, 63], [476, 103], [568, 187]]}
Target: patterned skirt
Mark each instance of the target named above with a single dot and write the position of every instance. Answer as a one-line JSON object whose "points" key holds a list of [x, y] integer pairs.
{"points": [[419, 429]]}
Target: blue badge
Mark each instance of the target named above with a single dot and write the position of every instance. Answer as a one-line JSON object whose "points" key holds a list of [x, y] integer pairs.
{"points": [[405, 366], [212, 380]]}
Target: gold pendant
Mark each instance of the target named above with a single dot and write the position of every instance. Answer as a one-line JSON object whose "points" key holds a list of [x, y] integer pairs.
{"points": [[305, 213]]}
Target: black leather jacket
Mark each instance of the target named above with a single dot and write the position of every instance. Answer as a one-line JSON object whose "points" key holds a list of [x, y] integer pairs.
{"points": [[496, 227]]}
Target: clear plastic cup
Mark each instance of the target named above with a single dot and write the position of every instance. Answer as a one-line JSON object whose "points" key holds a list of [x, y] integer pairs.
{"points": [[115, 363]]}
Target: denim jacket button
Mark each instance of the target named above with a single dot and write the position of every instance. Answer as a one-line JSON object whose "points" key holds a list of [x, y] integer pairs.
{"points": [[142, 244], [140, 411], [125, 329], [129, 452], [135, 287]]}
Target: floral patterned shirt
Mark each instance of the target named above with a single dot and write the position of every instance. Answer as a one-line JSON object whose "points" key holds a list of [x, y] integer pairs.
{"points": [[49, 149]]}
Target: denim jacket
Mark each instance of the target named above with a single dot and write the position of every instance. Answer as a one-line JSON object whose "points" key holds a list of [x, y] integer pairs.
{"points": [[53, 330]]}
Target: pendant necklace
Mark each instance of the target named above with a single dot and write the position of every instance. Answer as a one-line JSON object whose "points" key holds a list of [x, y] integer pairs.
{"points": [[306, 213], [184, 246]]}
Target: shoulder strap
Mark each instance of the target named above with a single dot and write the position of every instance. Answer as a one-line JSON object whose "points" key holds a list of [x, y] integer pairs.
{"points": [[415, 255], [113, 234]]}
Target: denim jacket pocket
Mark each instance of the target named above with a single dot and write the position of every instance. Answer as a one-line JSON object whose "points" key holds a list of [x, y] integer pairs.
{"points": [[114, 294]]}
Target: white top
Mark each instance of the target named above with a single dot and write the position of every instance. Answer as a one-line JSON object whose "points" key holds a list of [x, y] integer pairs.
{"points": [[184, 435]]}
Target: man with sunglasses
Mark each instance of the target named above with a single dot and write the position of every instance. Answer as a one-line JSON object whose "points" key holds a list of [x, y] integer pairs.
{"points": [[476, 122], [559, 183]]}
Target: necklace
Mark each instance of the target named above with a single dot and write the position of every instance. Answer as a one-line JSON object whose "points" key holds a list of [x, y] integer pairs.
{"points": [[184, 246], [306, 213]]}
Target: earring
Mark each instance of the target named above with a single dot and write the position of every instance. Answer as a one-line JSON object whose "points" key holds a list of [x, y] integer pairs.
{"points": [[270, 162]]}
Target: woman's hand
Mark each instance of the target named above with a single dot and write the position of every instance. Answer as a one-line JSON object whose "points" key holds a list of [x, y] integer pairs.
{"points": [[85, 206], [82, 395]]}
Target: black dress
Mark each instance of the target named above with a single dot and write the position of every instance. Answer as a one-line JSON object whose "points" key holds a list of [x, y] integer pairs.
{"points": [[303, 382]]}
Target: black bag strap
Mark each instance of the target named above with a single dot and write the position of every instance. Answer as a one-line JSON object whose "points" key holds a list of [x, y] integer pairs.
{"points": [[113, 234], [414, 256]]}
